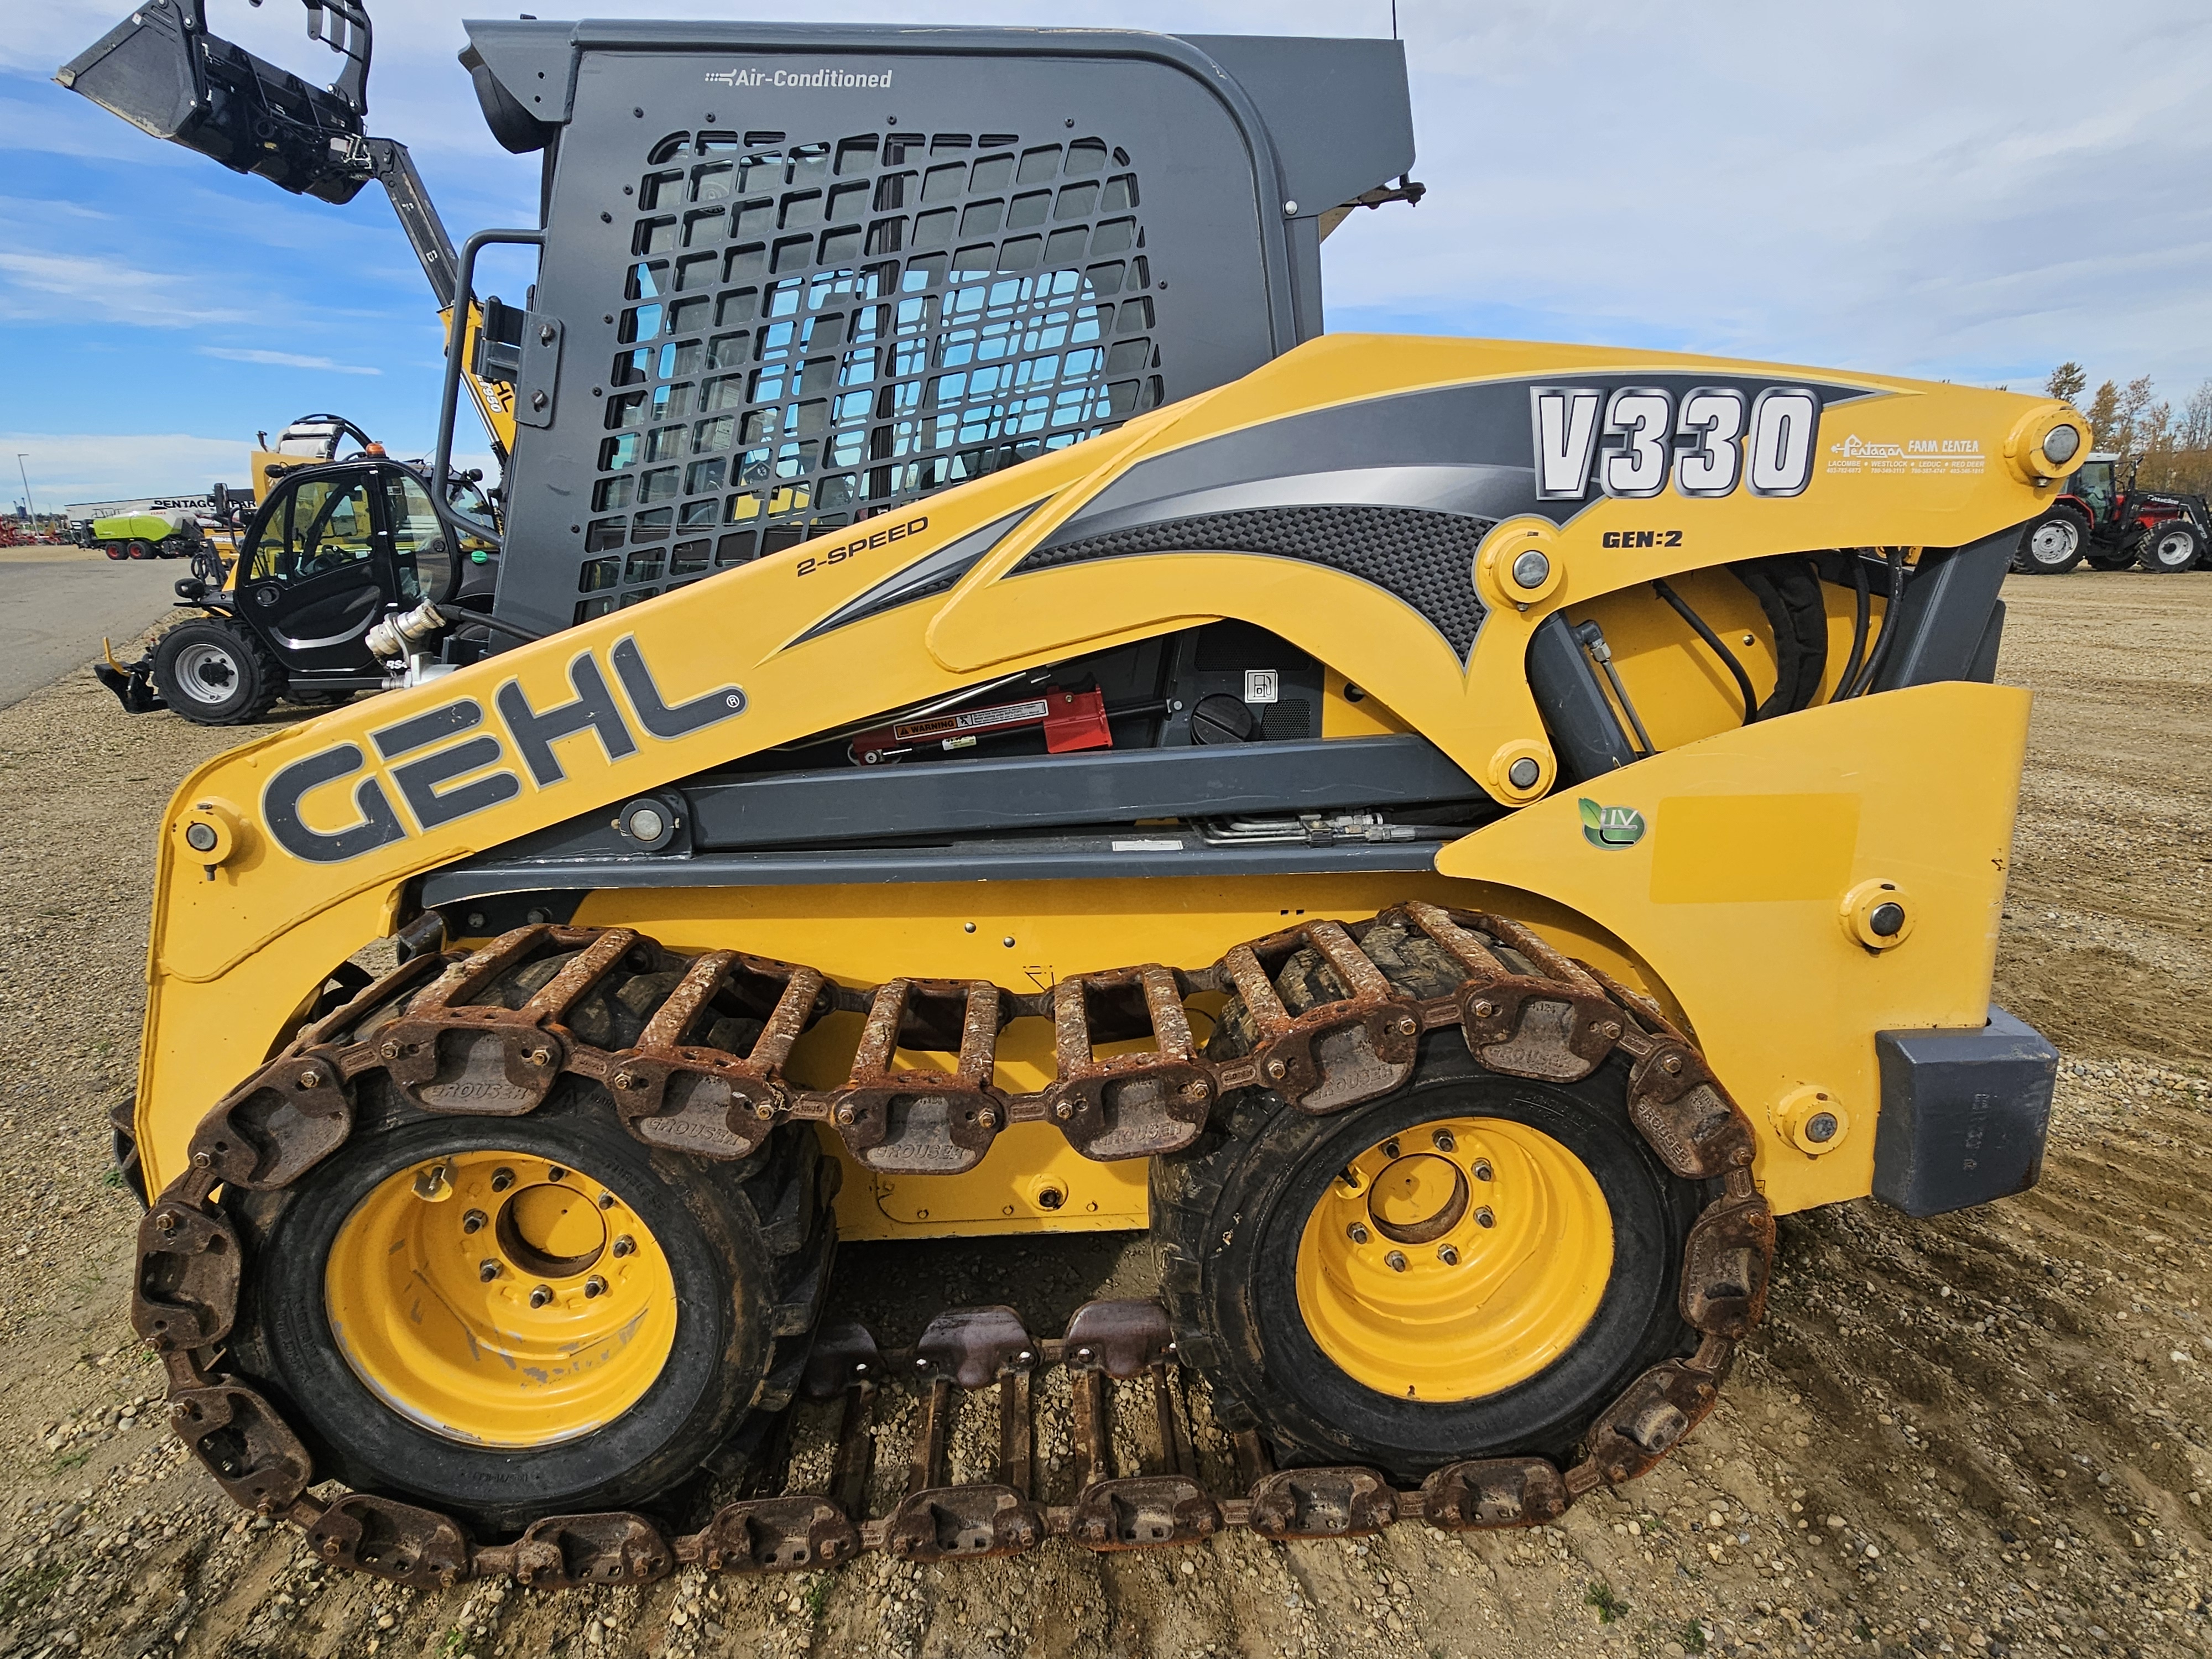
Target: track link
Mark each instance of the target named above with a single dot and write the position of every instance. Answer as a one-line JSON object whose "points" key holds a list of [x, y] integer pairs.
{"points": [[438, 1028]]}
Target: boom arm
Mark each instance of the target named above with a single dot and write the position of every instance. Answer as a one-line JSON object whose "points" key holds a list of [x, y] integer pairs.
{"points": [[161, 70]]}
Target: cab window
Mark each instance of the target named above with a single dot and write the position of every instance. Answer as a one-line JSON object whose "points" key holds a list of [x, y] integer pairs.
{"points": [[321, 525], [420, 549], [2094, 484]]}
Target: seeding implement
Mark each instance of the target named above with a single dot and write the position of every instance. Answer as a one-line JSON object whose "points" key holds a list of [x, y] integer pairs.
{"points": [[975, 598]]}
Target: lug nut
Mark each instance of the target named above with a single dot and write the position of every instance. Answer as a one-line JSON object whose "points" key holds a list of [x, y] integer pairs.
{"points": [[1484, 1010], [1408, 1025], [845, 1115], [595, 1285], [1482, 1171], [986, 1119], [502, 1179], [542, 1295], [311, 1078], [606, 1201], [1672, 1065], [473, 1222], [1357, 1232], [555, 1172], [624, 1245], [1448, 1255], [1442, 1140], [1390, 1147], [1277, 1070], [1397, 1261], [1483, 1218], [487, 1270]]}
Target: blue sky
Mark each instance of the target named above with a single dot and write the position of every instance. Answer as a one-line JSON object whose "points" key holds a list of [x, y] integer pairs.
{"points": [[1967, 191]]}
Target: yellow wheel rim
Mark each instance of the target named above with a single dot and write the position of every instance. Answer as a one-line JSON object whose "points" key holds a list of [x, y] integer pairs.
{"points": [[1454, 1259], [498, 1299]]}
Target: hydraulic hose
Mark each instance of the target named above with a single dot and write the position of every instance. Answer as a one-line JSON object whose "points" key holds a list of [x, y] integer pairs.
{"points": [[1862, 613], [1880, 655], [1720, 650]]}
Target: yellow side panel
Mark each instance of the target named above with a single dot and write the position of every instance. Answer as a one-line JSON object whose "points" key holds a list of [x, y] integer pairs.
{"points": [[1755, 951], [1712, 849]]}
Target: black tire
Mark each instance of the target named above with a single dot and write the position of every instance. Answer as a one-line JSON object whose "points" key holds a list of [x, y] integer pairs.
{"points": [[139, 549], [749, 1243], [1229, 1214], [2053, 545], [2170, 548], [214, 672], [114, 550]]}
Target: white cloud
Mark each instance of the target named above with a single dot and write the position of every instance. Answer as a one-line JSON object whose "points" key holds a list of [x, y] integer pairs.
{"points": [[283, 360], [66, 467], [68, 288]]}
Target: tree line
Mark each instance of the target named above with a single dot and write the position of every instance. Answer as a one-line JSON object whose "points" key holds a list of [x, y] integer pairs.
{"points": [[2172, 448]]}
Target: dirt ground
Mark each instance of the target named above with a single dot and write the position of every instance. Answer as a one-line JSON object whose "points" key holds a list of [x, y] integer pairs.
{"points": [[1982, 1434]]}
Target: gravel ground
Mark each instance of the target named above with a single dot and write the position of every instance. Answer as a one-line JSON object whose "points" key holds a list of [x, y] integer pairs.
{"points": [[1977, 1435]]}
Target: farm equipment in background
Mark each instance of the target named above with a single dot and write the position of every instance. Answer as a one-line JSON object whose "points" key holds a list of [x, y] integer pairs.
{"points": [[153, 533], [2111, 528], [1014, 731]]}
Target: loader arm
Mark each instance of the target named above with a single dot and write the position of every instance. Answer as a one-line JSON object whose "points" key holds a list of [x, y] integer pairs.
{"points": [[283, 857]]}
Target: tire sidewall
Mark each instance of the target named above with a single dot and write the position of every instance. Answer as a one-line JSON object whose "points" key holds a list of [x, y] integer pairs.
{"points": [[244, 695], [2029, 562], [2155, 537], [706, 1230], [1250, 1281]]}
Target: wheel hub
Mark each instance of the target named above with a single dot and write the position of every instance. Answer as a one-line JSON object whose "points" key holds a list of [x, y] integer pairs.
{"points": [[499, 1300], [1454, 1259], [207, 672]]}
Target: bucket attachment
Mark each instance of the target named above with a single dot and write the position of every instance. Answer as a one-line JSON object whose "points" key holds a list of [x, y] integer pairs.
{"points": [[161, 70]]}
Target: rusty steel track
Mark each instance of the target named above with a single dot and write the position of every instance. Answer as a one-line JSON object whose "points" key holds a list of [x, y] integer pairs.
{"points": [[427, 1029]]}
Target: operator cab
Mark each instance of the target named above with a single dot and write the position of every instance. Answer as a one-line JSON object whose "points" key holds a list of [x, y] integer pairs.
{"points": [[2097, 484]]}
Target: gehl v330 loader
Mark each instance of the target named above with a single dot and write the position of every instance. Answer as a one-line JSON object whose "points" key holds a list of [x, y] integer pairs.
{"points": [[1453, 836]]}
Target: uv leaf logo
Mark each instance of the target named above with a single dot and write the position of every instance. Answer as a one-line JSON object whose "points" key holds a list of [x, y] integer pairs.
{"points": [[1610, 826]]}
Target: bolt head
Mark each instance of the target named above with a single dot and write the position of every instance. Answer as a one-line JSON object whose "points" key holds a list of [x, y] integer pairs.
{"points": [[625, 1081], [764, 1110], [1484, 1010], [1442, 1141], [1356, 1232], [1277, 1070], [1482, 1169], [1448, 1255], [1483, 1218], [487, 1271], [1672, 1065], [595, 1285], [1395, 1261], [540, 1295], [624, 1245], [473, 1222], [845, 1114], [1820, 1127], [502, 1179], [1408, 1025], [311, 1078], [1063, 1111], [389, 1051]]}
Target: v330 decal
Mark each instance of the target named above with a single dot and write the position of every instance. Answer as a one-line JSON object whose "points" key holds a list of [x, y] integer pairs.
{"points": [[1633, 441]]}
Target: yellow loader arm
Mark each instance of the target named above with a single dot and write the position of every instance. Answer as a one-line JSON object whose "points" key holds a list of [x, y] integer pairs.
{"points": [[283, 857]]}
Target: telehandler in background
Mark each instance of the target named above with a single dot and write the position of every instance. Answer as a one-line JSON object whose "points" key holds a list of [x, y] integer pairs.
{"points": [[1027, 734]]}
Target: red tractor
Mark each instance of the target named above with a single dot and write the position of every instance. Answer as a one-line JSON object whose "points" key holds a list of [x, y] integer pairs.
{"points": [[2113, 528]]}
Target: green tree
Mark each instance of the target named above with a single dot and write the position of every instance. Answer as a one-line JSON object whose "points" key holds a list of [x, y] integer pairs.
{"points": [[2066, 382], [2104, 413]]}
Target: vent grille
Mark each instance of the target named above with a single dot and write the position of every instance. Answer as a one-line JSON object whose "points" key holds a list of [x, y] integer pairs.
{"points": [[813, 333], [1425, 558]]}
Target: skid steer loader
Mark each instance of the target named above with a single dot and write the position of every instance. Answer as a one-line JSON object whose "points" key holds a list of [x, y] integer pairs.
{"points": [[1032, 736]]}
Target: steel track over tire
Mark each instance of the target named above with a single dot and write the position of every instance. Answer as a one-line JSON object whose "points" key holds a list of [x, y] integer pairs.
{"points": [[1238, 1211], [214, 672], [745, 1249], [2053, 545]]}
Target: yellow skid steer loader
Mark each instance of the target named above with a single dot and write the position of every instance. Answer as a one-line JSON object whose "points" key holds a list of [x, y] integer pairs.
{"points": [[1030, 736]]}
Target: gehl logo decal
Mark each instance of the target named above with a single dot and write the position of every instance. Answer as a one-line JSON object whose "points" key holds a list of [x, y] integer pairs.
{"points": [[421, 769]]}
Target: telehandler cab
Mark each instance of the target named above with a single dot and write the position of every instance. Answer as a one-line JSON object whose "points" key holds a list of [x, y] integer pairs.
{"points": [[1030, 735]]}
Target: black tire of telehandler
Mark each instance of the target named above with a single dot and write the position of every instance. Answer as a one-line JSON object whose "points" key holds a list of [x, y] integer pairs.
{"points": [[258, 682], [750, 1243], [2168, 549], [2053, 545]]}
